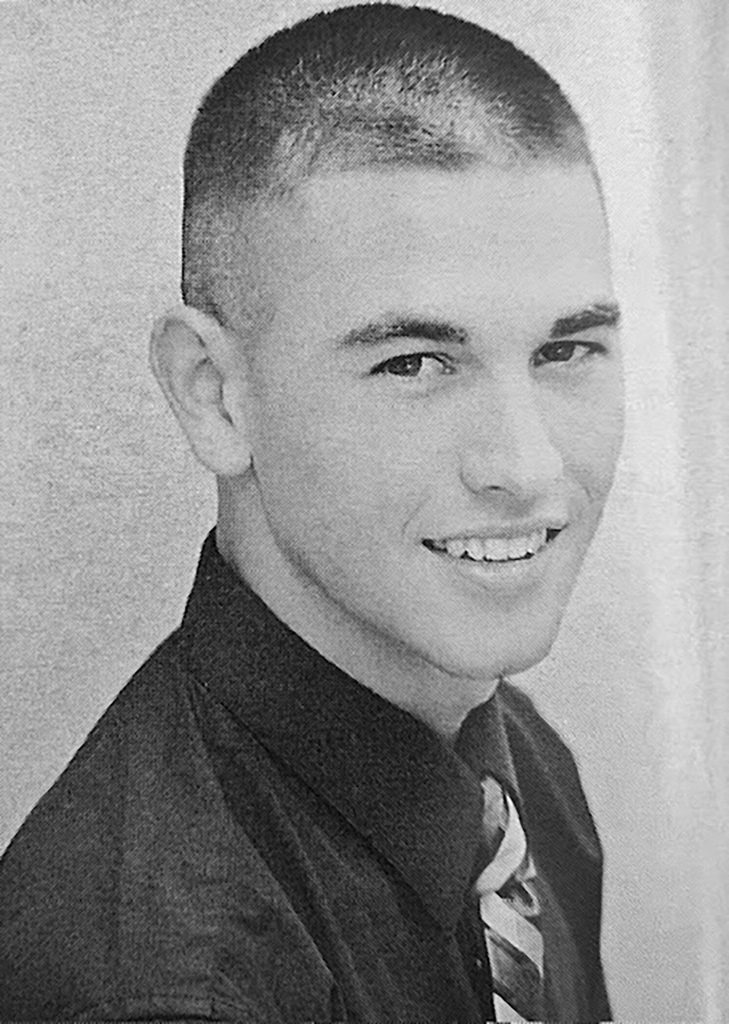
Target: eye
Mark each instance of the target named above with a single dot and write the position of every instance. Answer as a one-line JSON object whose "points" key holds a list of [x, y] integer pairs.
{"points": [[566, 352], [414, 366]]}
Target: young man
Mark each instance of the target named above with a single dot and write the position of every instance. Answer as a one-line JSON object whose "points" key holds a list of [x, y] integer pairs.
{"points": [[320, 799]]}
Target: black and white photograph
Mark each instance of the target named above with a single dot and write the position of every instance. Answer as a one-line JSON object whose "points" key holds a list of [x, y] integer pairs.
{"points": [[365, 511]]}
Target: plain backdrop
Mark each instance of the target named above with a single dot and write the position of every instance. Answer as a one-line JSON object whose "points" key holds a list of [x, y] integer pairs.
{"points": [[103, 510]]}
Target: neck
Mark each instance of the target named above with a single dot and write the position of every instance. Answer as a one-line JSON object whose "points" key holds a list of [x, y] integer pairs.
{"points": [[434, 696]]}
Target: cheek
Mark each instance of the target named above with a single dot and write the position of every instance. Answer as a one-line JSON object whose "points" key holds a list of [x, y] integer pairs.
{"points": [[587, 430], [344, 466]]}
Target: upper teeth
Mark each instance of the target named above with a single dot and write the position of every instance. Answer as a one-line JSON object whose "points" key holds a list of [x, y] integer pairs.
{"points": [[495, 549]]}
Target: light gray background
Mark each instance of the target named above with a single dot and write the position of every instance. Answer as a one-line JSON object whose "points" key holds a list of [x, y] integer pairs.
{"points": [[103, 510]]}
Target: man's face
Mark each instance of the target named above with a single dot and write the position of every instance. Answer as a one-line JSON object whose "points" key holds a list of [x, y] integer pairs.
{"points": [[437, 404]]}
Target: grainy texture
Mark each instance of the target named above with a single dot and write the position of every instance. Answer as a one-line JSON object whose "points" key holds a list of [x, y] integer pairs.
{"points": [[103, 510]]}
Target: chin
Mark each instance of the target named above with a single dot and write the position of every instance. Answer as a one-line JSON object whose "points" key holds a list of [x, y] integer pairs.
{"points": [[497, 654]]}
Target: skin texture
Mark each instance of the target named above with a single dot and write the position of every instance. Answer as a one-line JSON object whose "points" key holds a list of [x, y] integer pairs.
{"points": [[363, 449]]}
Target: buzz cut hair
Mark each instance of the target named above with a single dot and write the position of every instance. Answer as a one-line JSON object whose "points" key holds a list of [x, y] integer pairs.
{"points": [[372, 85]]}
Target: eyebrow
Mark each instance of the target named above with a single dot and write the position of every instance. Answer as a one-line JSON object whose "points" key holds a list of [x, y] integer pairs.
{"points": [[599, 314], [391, 329], [378, 332]]}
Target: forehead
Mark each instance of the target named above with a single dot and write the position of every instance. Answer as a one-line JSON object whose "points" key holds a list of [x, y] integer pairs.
{"points": [[514, 242]]}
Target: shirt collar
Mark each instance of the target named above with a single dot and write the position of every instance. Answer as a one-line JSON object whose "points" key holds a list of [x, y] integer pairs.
{"points": [[417, 801]]}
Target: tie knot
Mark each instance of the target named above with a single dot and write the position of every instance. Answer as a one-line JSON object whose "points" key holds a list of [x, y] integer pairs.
{"points": [[503, 834], [495, 810]]}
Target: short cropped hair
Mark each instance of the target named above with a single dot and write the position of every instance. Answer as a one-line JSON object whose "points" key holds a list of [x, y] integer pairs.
{"points": [[373, 84]]}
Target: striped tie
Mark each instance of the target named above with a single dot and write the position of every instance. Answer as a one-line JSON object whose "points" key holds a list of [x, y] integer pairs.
{"points": [[509, 909]]}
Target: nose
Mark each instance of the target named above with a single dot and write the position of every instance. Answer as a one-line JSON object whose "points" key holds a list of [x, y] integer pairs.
{"points": [[507, 447]]}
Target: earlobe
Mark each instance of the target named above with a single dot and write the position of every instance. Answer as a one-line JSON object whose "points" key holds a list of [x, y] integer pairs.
{"points": [[194, 361]]}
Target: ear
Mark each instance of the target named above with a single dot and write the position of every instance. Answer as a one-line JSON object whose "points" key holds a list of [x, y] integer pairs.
{"points": [[201, 370]]}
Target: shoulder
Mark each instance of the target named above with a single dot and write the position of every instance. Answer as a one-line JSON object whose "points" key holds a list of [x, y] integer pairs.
{"points": [[138, 726], [131, 879], [65, 872]]}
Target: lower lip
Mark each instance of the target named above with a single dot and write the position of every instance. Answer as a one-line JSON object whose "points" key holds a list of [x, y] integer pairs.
{"points": [[505, 576]]}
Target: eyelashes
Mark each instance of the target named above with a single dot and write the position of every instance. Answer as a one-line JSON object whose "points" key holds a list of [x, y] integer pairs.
{"points": [[428, 366], [563, 351], [415, 365]]}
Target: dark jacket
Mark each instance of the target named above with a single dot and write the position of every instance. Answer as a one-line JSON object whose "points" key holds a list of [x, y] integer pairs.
{"points": [[248, 834]]}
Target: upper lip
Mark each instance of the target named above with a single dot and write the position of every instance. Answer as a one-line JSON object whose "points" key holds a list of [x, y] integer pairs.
{"points": [[510, 531]]}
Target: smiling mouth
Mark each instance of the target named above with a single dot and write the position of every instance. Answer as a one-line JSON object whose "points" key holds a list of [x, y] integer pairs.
{"points": [[493, 549]]}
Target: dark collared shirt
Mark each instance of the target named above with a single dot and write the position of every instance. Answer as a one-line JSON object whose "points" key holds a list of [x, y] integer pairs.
{"points": [[248, 834]]}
